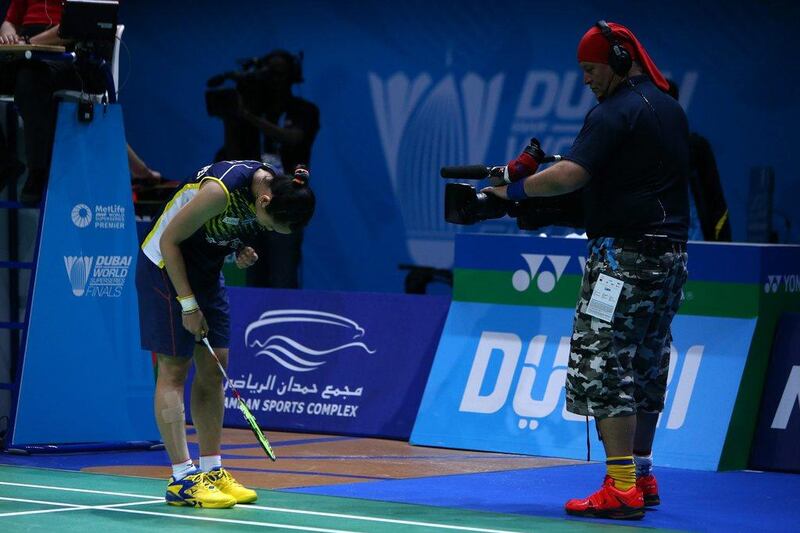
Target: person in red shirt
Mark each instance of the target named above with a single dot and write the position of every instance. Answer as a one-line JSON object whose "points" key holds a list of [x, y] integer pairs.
{"points": [[32, 21], [33, 83]]}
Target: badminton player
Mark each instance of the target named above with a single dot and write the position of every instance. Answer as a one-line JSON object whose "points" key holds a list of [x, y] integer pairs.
{"points": [[182, 299]]}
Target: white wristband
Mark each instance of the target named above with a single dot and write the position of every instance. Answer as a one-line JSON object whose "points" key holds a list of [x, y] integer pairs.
{"points": [[188, 304]]}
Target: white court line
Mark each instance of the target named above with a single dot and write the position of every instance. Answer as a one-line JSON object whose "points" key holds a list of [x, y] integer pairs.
{"points": [[275, 509], [233, 521], [115, 508], [74, 507], [67, 489], [71, 506], [23, 500], [376, 519]]}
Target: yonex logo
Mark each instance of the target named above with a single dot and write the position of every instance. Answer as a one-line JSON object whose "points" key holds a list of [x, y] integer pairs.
{"points": [[81, 215], [78, 270], [786, 283], [772, 284], [301, 355], [545, 280]]}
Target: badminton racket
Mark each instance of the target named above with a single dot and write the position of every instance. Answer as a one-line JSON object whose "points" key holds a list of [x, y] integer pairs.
{"points": [[248, 416]]}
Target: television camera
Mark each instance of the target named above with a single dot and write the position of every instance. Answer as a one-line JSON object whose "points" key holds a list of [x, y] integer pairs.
{"points": [[254, 81], [465, 205]]}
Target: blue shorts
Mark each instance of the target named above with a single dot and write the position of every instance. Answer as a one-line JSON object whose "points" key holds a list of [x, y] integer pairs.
{"points": [[160, 320]]}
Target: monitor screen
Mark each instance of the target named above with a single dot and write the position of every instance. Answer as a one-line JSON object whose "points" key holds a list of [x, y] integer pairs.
{"points": [[89, 20]]}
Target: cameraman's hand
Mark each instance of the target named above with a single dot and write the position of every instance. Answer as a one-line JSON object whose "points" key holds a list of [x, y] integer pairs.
{"points": [[500, 191], [246, 257], [525, 164], [496, 176]]}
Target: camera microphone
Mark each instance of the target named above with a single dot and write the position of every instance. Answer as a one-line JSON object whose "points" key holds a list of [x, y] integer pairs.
{"points": [[249, 62], [479, 172], [219, 79], [466, 172]]}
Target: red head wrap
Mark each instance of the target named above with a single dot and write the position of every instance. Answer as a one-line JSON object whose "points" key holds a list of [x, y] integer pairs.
{"points": [[594, 48]]}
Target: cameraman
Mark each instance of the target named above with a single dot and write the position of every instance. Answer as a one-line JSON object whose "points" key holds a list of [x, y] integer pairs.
{"points": [[632, 159], [278, 128]]}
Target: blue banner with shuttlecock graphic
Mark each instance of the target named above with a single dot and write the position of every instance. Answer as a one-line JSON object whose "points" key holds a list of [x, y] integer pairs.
{"points": [[84, 377], [318, 361]]}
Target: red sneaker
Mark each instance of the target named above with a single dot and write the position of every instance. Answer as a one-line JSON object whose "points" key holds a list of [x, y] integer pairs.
{"points": [[609, 502], [649, 487]]}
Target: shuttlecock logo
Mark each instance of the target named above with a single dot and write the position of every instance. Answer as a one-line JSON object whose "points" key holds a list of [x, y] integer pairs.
{"points": [[81, 215], [421, 125], [78, 269]]}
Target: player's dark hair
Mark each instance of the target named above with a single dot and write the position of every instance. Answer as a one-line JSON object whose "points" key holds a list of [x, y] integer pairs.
{"points": [[293, 200]]}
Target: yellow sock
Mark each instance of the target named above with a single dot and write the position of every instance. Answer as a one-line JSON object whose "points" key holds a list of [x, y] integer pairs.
{"points": [[622, 470]]}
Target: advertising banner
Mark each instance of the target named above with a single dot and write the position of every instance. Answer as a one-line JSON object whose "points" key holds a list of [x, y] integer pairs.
{"points": [[345, 363], [497, 383], [514, 299], [84, 377], [776, 445], [528, 270]]}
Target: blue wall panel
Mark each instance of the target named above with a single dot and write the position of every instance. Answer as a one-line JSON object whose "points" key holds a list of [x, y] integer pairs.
{"points": [[404, 88]]}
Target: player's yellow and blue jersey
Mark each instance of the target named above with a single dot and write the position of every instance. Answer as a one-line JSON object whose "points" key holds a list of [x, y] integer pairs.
{"points": [[205, 250]]}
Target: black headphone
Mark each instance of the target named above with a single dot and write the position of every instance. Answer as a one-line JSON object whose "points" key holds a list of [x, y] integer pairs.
{"points": [[619, 59], [295, 62]]}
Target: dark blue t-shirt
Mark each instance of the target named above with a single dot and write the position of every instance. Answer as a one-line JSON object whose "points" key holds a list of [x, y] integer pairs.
{"points": [[635, 146], [205, 250]]}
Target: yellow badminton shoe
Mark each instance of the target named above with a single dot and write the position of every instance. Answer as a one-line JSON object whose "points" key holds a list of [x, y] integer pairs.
{"points": [[225, 483], [197, 490]]}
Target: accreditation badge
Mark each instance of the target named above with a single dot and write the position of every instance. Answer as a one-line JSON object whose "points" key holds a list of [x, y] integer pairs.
{"points": [[605, 297]]}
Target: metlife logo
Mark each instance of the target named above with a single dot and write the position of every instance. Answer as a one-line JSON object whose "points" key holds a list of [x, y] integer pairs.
{"points": [[110, 217], [81, 215]]}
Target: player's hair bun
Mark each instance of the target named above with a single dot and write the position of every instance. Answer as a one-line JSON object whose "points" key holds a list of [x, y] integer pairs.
{"points": [[301, 175]]}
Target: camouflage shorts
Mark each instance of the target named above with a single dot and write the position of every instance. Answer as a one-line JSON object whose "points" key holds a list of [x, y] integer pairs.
{"points": [[620, 368]]}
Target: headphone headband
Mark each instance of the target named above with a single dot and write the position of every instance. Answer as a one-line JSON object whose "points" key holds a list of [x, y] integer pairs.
{"points": [[619, 58], [605, 29], [295, 62]]}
